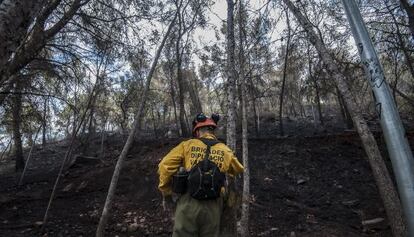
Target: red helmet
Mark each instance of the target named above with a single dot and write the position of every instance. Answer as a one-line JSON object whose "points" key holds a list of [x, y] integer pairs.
{"points": [[202, 120]]}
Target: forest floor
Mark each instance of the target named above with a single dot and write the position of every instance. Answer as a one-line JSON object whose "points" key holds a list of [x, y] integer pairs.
{"points": [[317, 186]]}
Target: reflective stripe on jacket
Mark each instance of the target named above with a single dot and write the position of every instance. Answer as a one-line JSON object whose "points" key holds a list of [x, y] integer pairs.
{"points": [[189, 153]]}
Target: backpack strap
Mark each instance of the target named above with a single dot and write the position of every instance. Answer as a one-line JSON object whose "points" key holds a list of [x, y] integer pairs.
{"points": [[209, 143]]}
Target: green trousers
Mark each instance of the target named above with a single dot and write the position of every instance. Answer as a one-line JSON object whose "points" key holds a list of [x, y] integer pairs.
{"points": [[197, 218]]}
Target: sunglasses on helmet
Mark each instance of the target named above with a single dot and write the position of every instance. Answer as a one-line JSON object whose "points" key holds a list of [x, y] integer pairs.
{"points": [[201, 117]]}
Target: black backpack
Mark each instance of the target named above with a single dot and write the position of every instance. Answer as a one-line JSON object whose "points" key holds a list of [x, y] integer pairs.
{"points": [[205, 179]]}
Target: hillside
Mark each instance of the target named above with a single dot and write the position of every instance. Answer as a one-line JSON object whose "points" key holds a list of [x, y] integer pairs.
{"points": [[301, 186]]}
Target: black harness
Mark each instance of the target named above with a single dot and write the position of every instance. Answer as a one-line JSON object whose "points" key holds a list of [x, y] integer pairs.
{"points": [[205, 180]]}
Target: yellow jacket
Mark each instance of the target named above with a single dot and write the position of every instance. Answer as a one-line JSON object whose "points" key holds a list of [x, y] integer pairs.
{"points": [[189, 153]]}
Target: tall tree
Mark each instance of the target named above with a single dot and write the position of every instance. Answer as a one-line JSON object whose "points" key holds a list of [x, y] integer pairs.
{"points": [[282, 91], [136, 127], [244, 220], [229, 217]]}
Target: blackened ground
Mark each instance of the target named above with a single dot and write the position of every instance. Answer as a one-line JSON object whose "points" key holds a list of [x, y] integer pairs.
{"points": [[301, 186]]}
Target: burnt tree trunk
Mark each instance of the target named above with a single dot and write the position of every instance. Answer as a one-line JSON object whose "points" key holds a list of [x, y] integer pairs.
{"points": [[228, 223], [181, 84], [282, 91], [244, 220]]}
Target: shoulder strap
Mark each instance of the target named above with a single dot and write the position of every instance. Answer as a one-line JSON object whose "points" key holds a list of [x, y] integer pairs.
{"points": [[209, 143]]}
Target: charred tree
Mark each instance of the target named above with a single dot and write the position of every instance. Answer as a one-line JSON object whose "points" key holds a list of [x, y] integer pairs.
{"points": [[282, 90]]}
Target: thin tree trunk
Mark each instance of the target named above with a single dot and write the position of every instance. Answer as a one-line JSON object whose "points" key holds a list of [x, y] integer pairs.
{"points": [[102, 153], [136, 126], [244, 221], [195, 99], [175, 108], [385, 185], [44, 123], [345, 115], [154, 124], [231, 81], [228, 223], [17, 120], [181, 91], [256, 118], [282, 92], [395, 83], [315, 83], [28, 157], [318, 101], [180, 79], [5, 150]]}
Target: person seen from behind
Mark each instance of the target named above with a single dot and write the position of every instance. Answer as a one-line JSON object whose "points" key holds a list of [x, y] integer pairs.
{"points": [[196, 170]]}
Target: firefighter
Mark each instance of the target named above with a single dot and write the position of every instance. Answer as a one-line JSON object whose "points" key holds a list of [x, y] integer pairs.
{"points": [[195, 215]]}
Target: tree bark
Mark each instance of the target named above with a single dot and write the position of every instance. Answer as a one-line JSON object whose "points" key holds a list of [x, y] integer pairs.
{"points": [[244, 220], [44, 123], [228, 223], [172, 91], [315, 84], [195, 99], [344, 111], [231, 81], [282, 92], [385, 185], [180, 80], [256, 114], [136, 126]]}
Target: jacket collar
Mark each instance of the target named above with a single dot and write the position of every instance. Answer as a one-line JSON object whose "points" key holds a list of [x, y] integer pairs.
{"points": [[209, 136]]}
